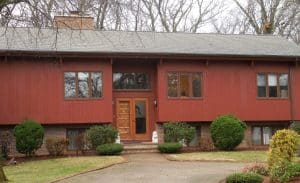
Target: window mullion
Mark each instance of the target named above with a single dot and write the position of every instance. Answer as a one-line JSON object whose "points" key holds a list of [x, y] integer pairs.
{"points": [[76, 84], [178, 84], [190, 85], [267, 84]]}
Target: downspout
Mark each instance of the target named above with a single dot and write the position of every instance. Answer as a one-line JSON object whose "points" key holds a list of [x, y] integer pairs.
{"points": [[291, 94]]}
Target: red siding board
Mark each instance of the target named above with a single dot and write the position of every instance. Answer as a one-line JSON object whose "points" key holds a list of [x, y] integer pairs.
{"points": [[227, 89], [35, 90]]}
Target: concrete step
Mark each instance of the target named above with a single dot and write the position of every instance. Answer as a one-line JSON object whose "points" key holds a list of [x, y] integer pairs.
{"points": [[143, 147]]}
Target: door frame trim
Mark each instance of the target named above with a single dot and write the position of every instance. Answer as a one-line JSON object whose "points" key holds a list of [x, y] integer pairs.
{"points": [[132, 125]]}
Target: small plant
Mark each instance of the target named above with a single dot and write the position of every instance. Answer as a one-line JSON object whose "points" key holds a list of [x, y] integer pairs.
{"points": [[29, 137], [259, 168], [170, 147], [244, 178], [109, 149], [227, 132], [178, 131], [284, 171], [56, 146], [102, 134], [283, 146]]}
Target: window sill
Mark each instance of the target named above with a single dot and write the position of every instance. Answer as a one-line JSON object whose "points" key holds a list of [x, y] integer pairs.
{"points": [[82, 99], [132, 90], [185, 98], [272, 98]]}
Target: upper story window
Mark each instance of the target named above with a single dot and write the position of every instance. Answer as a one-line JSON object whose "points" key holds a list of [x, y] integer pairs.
{"points": [[131, 81], [83, 84], [272, 85], [186, 85]]}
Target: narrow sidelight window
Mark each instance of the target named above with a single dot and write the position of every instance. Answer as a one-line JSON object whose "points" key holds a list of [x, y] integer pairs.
{"points": [[284, 85], [70, 84], [196, 85], [172, 84], [272, 82], [83, 84], [261, 85], [184, 85], [96, 82], [272, 85]]}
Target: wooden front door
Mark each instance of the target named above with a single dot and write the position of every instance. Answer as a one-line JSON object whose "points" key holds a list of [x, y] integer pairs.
{"points": [[132, 118]]}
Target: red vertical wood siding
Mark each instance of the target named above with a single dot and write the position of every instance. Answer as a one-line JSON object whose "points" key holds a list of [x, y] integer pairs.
{"points": [[34, 89], [295, 82], [228, 88]]}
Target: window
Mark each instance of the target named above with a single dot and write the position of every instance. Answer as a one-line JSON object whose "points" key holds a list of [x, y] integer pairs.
{"points": [[261, 135], [83, 84], [272, 85], [76, 139], [185, 85], [135, 81]]}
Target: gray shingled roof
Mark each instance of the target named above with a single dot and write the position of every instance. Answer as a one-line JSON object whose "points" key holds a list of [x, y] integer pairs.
{"points": [[66, 40]]}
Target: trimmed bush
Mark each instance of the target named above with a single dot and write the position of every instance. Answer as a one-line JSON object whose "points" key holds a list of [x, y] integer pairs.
{"points": [[259, 168], [244, 178], [102, 134], [178, 131], [283, 172], [283, 146], [227, 132], [170, 147], [56, 146], [29, 137], [109, 149]]}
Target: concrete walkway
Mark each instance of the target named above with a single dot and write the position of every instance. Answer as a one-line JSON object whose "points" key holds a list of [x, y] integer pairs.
{"points": [[144, 168]]}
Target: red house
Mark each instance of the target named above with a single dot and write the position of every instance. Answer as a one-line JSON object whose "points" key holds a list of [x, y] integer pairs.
{"points": [[69, 79]]}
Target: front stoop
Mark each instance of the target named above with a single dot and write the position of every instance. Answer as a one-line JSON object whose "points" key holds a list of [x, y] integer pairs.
{"points": [[143, 147]]}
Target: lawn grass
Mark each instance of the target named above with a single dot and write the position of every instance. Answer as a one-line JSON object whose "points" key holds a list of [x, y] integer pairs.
{"points": [[52, 169], [234, 156]]}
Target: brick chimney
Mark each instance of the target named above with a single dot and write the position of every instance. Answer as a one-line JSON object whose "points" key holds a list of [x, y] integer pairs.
{"points": [[74, 21]]}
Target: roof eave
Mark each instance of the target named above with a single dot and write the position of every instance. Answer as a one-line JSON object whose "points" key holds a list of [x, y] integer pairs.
{"points": [[41, 53]]}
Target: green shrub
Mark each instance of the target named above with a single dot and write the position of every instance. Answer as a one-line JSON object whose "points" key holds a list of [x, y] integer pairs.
{"points": [[170, 147], [259, 168], [296, 127], [56, 146], [283, 146], [227, 132], [29, 137], [244, 178], [284, 171], [102, 134], [178, 131], [109, 149]]}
